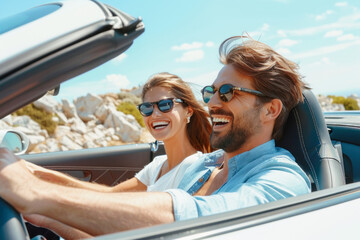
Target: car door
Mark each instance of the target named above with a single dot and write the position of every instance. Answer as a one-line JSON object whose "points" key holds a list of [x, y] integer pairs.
{"points": [[344, 129]]}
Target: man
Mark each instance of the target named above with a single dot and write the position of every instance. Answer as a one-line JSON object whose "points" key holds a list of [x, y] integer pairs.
{"points": [[248, 102]]}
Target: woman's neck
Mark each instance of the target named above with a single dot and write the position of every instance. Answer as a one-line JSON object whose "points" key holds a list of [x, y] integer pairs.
{"points": [[177, 151]]}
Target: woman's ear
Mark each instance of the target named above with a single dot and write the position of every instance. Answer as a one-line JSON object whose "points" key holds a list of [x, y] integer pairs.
{"points": [[190, 111], [272, 109]]}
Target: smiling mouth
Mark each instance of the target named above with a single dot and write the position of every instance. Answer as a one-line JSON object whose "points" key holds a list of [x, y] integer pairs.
{"points": [[159, 125], [220, 121]]}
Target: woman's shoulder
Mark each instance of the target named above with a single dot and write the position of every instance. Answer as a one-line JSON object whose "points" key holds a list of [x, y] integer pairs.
{"points": [[159, 159]]}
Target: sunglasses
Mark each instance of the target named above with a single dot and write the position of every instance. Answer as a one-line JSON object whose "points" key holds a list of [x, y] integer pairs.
{"points": [[226, 92], [164, 105]]}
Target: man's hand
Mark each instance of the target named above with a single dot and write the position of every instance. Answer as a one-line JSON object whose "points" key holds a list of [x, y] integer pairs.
{"points": [[16, 181]]}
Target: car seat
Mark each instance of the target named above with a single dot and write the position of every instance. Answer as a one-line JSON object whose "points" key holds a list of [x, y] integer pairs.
{"points": [[306, 136]]}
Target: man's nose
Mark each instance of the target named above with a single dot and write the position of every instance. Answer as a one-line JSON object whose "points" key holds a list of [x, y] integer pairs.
{"points": [[214, 101]]}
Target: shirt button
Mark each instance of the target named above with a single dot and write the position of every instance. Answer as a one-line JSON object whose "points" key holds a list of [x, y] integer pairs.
{"points": [[201, 180]]}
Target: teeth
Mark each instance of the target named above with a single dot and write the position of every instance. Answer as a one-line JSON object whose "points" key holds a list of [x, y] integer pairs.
{"points": [[159, 123], [223, 120]]}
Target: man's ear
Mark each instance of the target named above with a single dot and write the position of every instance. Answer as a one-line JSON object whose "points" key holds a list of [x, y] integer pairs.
{"points": [[272, 109]]}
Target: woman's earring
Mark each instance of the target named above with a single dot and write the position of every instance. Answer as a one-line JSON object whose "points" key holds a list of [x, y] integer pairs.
{"points": [[188, 119]]}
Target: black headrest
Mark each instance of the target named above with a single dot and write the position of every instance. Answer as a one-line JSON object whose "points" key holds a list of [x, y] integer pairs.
{"points": [[307, 138]]}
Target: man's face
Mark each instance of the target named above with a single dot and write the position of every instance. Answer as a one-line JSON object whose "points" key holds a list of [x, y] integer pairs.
{"points": [[235, 121]]}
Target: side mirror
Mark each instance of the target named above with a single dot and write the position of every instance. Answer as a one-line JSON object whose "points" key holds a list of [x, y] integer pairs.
{"points": [[15, 141]]}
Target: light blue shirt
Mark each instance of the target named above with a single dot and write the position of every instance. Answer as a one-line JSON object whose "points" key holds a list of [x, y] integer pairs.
{"points": [[264, 174]]}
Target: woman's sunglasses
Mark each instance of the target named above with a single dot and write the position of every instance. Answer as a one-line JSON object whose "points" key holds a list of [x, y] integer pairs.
{"points": [[226, 92], [164, 105]]}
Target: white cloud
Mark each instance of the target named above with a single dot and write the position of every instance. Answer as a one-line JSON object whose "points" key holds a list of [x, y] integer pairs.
{"points": [[281, 33], [347, 37], [341, 4], [287, 43], [349, 22], [324, 15], [209, 44], [187, 46], [115, 81], [325, 60], [111, 84], [119, 58], [326, 50], [203, 79], [255, 34], [331, 77], [191, 56], [334, 33], [283, 51], [265, 27]]}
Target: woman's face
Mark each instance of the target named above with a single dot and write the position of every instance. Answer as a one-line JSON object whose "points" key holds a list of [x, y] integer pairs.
{"points": [[166, 126]]}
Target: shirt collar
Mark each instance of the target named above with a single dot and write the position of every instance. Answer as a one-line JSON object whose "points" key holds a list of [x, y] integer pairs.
{"points": [[237, 162]]}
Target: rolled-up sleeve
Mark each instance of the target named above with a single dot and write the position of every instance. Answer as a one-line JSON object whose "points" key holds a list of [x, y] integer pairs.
{"points": [[184, 206]]}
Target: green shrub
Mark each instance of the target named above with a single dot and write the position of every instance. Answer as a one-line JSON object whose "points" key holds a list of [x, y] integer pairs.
{"points": [[43, 118], [130, 108], [349, 103], [129, 97]]}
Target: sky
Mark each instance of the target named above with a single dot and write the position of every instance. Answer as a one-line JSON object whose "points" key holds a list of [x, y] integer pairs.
{"points": [[182, 37]]}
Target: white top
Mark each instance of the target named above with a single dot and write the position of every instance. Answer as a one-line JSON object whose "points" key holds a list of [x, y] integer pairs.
{"points": [[171, 179]]}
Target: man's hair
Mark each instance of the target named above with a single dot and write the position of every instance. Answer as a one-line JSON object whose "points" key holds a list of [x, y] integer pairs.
{"points": [[272, 74], [199, 128]]}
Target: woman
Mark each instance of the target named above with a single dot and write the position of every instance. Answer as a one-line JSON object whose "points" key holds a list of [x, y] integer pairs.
{"points": [[172, 115]]}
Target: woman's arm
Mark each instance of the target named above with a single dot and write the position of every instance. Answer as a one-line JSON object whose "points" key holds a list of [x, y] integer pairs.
{"points": [[52, 176]]}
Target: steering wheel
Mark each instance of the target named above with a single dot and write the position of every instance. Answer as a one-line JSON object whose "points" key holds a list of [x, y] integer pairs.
{"points": [[12, 226]]}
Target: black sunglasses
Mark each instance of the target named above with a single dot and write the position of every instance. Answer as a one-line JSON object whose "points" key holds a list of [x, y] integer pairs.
{"points": [[164, 105], [226, 92]]}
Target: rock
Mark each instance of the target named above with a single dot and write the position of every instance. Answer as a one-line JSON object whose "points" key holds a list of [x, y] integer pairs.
{"points": [[26, 122], [8, 120], [68, 109], [4, 125], [67, 143], [34, 141], [87, 106], [77, 125], [62, 131], [47, 103], [102, 112], [62, 118]]}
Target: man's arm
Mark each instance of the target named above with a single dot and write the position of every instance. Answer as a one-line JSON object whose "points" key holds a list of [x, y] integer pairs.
{"points": [[92, 212], [61, 229]]}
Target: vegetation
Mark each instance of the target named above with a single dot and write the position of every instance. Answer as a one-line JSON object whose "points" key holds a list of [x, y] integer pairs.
{"points": [[130, 108], [129, 97], [349, 103], [43, 118]]}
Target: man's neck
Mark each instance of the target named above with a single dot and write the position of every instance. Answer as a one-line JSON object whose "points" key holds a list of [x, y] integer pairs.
{"points": [[250, 144]]}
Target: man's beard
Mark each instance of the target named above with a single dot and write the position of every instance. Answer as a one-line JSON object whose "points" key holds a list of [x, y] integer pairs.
{"points": [[243, 127]]}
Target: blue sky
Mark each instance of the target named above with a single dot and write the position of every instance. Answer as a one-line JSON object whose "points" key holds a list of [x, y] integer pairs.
{"points": [[182, 37]]}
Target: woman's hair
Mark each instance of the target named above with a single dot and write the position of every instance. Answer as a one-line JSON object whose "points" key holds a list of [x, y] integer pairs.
{"points": [[272, 74], [199, 128]]}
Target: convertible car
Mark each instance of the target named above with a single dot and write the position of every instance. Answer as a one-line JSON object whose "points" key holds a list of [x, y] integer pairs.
{"points": [[326, 145]]}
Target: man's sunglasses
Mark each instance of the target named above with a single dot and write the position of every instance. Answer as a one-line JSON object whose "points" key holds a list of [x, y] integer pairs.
{"points": [[226, 92], [164, 105]]}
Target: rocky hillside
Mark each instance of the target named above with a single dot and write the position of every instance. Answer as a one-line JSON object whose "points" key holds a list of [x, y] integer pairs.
{"points": [[90, 121]]}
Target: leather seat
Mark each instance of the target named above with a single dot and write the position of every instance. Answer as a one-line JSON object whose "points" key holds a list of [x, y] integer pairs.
{"points": [[307, 138]]}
